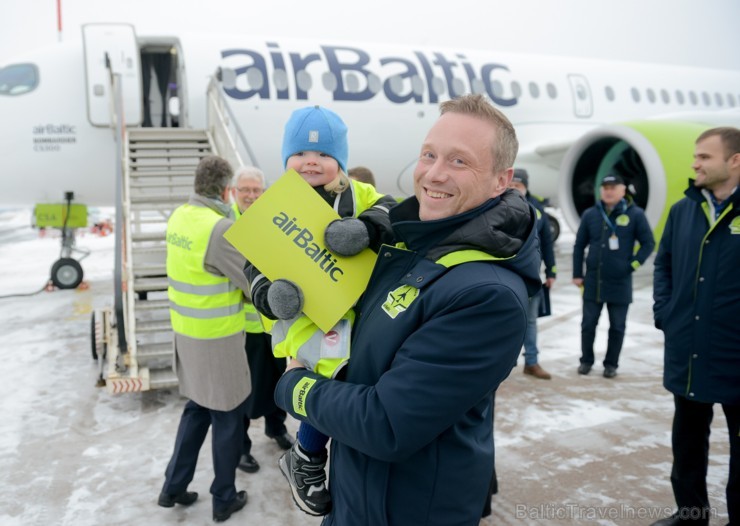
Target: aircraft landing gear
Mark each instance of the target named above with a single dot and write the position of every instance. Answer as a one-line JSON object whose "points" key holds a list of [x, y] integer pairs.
{"points": [[66, 273]]}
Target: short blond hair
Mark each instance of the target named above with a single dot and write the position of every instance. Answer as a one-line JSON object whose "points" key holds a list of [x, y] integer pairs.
{"points": [[506, 145]]}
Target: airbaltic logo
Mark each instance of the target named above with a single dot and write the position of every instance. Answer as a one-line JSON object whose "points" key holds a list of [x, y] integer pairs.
{"points": [[303, 239], [351, 74], [300, 391], [399, 300], [623, 220], [735, 226], [179, 241]]}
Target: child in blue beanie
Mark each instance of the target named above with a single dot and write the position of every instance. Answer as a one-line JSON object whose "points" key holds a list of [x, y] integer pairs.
{"points": [[315, 146]]}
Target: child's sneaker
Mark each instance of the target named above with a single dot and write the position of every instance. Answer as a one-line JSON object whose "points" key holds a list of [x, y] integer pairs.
{"points": [[307, 479]]}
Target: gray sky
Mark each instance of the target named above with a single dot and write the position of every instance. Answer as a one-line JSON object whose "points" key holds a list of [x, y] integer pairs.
{"points": [[688, 32]]}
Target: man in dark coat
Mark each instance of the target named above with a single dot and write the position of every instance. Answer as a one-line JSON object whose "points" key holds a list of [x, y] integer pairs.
{"points": [[697, 306], [610, 229]]}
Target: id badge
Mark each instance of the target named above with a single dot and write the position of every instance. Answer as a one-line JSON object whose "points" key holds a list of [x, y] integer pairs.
{"points": [[613, 243]]}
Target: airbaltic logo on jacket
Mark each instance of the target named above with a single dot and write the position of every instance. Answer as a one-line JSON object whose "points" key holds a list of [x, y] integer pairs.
{"points": [[399, 300], [623, 220], [735, 226], [303, 239], [177, 240], [300, 392]]}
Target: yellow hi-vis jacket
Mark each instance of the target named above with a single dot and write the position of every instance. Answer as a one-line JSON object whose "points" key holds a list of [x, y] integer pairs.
{"points": [[202, 305]]}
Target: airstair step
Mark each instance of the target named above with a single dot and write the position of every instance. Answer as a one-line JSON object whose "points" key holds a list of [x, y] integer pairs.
{"points": [[166, 134], [137, 174], [182, 163], [178, 198], [161, 378], [166, 145], [148, 236], [185, 183], [154, 352], [150, 283], [150, 270], [151, 304], [177, 154], [153, 326]]}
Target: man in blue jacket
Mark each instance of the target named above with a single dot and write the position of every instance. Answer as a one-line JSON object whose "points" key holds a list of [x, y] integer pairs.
{"points": [[697, 306], [610, 229], [437, 330], [520, 182]]}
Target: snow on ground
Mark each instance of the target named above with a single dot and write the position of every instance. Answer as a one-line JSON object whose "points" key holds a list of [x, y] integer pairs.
{"points": [[573, 451]]}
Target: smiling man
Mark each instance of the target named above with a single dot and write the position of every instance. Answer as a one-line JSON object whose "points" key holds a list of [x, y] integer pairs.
{"points": [[697, 306], [437, 330]]}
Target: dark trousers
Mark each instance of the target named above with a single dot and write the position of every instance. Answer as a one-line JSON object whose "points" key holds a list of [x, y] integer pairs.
{"points": [[264, 371], [617, 324], [690, 439], [493, 484], [227, 431]]}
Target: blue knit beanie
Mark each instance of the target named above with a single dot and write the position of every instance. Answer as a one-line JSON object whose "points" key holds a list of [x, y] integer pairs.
{"points": [[316, 129]]}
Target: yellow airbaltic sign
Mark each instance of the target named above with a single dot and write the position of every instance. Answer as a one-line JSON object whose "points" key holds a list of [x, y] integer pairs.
{"points": [[282, 234]]}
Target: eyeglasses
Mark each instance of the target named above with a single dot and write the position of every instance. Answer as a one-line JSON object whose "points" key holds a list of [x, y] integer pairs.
{"points": [[243, 190]]}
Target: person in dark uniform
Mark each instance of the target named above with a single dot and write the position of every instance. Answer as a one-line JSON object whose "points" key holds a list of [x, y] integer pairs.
{"points": [[610, 229]]}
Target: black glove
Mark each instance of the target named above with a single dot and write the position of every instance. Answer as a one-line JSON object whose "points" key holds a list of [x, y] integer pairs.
{"points": [[347, 236], [285, 299]]}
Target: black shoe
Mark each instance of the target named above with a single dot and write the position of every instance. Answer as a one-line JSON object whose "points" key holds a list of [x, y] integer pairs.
{"points": [[584, 368], [186, 498], [249, 464], [239, 502], [284, 441], [307, 479], [610, 371]]}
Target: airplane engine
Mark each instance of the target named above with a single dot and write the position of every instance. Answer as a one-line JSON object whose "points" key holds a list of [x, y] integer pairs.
{"points": [[653, 157]]}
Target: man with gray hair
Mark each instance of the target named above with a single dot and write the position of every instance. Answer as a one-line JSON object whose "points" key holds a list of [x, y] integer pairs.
{"points": [[206, 293]]}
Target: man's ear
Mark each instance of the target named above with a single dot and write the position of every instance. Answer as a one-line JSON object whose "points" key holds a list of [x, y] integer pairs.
{"points": [[503, 179]]}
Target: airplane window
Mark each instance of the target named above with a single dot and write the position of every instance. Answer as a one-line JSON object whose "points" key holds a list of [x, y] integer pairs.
{"points": [[718, 99], [609, 92], [458, 87], [693, 98], [438, 86], [534, 90], [651, 95], [280, 78], [679, 97], [706, 98], [255, 79], [329, 81], [353, 83], [303, 80], [516, 89], [498, 89], [478, 87], [18, 79], [665, 97], [635, 94], [373, 83], [396, 84], [552, 91], [731, 100], [417, 85]]}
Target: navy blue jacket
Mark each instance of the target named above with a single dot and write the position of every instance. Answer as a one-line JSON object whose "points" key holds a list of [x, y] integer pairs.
{"points": [[697, 300], [609, 272], [411, 426], [545, 236]]}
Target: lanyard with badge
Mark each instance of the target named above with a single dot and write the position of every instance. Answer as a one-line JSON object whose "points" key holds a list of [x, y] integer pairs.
{"points": [[613, 239]]}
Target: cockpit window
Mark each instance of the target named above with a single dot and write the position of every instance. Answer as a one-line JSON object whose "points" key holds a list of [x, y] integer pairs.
{"points": [[18, 79]]}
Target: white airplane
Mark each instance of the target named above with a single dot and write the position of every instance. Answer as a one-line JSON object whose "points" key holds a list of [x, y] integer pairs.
{"points": [[577, 121]]}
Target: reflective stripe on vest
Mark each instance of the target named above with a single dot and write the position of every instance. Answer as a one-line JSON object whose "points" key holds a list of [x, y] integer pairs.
{"points": [[253, 321], [202, 305]]}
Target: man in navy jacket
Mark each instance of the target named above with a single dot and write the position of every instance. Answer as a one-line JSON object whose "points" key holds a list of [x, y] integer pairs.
{"points": [[437, 330], [610, 229], [697, 306]]}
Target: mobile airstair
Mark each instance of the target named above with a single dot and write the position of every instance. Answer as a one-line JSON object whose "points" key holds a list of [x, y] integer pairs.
{"points": [[133, 340]]}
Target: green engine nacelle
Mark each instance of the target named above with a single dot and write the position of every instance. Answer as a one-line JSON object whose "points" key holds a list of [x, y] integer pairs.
{"points": [[654, 157]]}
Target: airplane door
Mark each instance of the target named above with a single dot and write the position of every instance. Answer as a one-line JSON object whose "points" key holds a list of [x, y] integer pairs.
{"points": [[583, 105], [119, 42]]}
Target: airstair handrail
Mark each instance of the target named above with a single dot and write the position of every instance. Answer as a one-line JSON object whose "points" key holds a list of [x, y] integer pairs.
{"points": [[118, 126], [223, 125]]}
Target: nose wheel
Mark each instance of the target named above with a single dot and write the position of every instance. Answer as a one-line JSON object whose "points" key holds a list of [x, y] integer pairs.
{"points": [[66, 273]]}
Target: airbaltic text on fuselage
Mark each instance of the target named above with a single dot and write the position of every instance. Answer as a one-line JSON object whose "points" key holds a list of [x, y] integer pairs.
{"points": [[303, 239], [349, 75]]}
